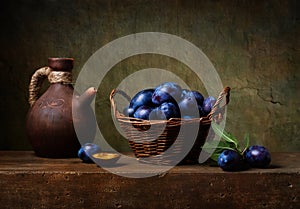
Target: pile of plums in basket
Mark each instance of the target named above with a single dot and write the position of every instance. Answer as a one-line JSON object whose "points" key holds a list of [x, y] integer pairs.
{"points": [[169, 100]]}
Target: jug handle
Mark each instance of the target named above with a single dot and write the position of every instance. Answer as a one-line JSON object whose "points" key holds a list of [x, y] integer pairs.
{"points": [[36, 83]]}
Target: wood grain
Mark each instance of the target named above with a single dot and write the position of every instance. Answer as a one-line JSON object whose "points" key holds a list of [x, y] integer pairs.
{"points": [[27, 181]]}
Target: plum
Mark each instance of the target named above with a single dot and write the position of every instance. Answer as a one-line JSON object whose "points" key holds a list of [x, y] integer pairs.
{"points": [[184, 92], [257, 156], [201, 111], [208, 103], [188, 117], [188, 107], [191, 104], [165, 111], [87, 150], [198, 96], [143, 112], [143, 97], [127, 111], [230, 160], [166, 92]]}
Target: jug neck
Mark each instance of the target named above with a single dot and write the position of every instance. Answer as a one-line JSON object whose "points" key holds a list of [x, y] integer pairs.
{"points": [[61, 64]]}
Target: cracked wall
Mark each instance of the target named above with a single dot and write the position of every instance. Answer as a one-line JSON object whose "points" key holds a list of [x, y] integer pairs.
{"points": [[254, 46]]}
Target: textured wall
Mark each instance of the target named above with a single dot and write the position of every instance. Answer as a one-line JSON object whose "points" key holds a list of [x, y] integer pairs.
{"points": [[254, 46]]}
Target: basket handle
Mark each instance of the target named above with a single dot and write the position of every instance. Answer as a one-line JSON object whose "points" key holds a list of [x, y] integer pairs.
{"points": [[217, 111], [112, 102]]}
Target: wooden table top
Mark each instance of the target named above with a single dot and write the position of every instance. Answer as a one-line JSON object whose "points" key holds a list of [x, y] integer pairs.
{"points": [[26, 161], [27, 181]]}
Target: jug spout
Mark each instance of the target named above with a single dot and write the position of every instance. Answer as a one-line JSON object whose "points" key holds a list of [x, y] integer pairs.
{"points": [[87, 97]]}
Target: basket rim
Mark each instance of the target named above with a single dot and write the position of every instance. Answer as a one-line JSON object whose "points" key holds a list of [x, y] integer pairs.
{"points": [[122, 118], [215, 114]]}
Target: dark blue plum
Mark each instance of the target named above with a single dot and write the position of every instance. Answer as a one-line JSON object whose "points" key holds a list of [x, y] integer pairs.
{"points": [[83, 156], [188, 107], [201, 111], [184, 92], [230, 160], [165, 111], [86, 151], [257, 156], [187, 117], [198, 96], [143, 112], [191, 104], [128, 111], [143, 97], [166, 92], [188, 93], [208, 103]]}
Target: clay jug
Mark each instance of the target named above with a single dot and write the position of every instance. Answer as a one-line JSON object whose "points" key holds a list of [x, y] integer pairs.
{"points": [[52, 117]]}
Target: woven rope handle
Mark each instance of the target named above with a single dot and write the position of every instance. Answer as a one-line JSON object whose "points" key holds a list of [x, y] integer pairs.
{"points": [[216, 109], [39, 77], [36, 82], [111, 98]]}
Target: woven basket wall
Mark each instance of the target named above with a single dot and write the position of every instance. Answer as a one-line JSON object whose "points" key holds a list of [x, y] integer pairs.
{"points": [[164, 142]]}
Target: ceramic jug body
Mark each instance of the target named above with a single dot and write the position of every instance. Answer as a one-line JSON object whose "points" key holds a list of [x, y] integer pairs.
{"points": [[49, 122]]}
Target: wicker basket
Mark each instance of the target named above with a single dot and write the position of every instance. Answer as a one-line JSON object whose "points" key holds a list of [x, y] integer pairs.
{"points": [[168, 147]]}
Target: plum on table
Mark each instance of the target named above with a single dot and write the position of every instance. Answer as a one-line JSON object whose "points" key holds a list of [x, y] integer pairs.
{"points": [[86, 151], [257, 156], [230, 160]]}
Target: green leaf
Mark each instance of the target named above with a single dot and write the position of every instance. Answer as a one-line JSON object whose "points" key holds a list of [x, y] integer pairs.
{"points": [[208, 146], [227, 137], [215, 156], [228, 141], [214, 149], [230, 135], [246, 141], [223, 143]]}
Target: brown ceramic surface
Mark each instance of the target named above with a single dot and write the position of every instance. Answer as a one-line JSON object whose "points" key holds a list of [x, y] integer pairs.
{"points": [[50, 121], [61, 64]]}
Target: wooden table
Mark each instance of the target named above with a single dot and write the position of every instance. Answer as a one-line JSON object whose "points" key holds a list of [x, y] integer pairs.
{"points": [[27, 181]]}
